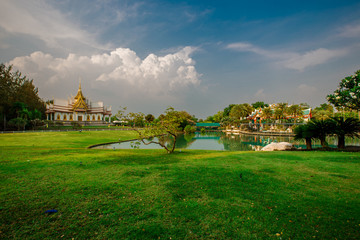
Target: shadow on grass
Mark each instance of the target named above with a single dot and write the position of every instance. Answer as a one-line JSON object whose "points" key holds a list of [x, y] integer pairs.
{"points": [[147, 157]]}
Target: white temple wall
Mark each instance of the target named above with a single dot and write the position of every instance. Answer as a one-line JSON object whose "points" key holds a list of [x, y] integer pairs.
{"points": [[76, 116]]}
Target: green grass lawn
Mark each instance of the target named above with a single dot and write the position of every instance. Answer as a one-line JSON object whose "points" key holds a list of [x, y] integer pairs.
{"points": [[148, 194]]}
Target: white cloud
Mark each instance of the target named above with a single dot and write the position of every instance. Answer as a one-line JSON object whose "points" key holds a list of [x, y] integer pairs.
{"points": [[305, 91], [350, 31], [292, 60], [312, 58], [40, 20], [304, 88], [260, 94], [153, 75]]}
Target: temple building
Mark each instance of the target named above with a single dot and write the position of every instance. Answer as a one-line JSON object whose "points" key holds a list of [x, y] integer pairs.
{"points": [[77, 108], [257, 114]]}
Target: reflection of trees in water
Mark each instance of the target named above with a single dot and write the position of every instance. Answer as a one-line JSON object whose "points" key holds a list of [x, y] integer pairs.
{"points": [[182, 141], [185, 140], [249, 142], [232, 143]]}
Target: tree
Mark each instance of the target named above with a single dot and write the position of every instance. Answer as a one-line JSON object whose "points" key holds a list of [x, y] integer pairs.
{"points": [[240, 111], [228, 109], [295, 111], [347, 95], [19, 123], [149, 118], [17, 88], [320, 129], [258, 105], [218, 116], [135, 119], [324, 111], [303, 132], [280, 110], [345, 127], [169, 124], [209, 119], [267, 113], [120, 115]]}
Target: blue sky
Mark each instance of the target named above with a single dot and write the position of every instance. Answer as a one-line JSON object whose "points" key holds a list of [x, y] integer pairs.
{"points": [[197, 56]]}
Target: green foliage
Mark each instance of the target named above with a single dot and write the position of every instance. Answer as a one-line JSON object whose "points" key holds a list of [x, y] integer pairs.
{"points": [[342, 127], [240, 111], [135, 119], [210, 119], [295, 111], [258, 105], [149, 118], [18, 123], [170, 124], [280, 111], [324, 111], [303, 132], [18, 97], [347, 95], [267, 113], [76, 125], [216, 118], [120, 115], [36, 123], [320, 129], [228, 109], [189, 129]]}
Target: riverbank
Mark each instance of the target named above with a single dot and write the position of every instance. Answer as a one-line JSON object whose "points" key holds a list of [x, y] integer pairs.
{"points": [[263, 133], [148, 194]]}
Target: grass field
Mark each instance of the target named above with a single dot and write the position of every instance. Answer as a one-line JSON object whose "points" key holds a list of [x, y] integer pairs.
{"points": [[148, 194]]}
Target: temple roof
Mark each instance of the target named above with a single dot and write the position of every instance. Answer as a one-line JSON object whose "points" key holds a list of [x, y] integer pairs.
{"points": [[80, 103]]}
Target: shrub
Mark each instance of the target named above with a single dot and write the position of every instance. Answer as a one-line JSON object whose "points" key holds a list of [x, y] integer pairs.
{"points": [[76, 125], [189, 129]]}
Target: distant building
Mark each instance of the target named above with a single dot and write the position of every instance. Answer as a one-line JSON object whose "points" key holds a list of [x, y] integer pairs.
{"points": [[78, 109], [257, 114]]}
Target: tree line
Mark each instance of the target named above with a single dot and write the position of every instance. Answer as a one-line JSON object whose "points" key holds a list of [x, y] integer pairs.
{"points": [[20, 104]]}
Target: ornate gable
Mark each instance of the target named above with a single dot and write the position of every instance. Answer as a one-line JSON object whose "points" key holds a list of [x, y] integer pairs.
{"points": [[80, 103]]}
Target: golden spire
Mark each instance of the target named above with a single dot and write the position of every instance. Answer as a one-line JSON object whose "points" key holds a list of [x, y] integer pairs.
{"points": [[80, 100]]}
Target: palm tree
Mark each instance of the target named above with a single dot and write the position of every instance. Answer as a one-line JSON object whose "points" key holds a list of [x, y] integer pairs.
{"points": [[320, 129], [280, 110], [345, 127], [240, 111], [303, 132], [267, 113], [295, 111]]}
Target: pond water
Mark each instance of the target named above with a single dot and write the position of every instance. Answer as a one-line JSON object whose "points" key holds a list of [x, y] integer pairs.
{"points": [[222, 141]]}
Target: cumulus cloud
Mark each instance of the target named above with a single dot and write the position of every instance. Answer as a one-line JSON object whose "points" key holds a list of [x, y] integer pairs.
{"points": [[292, 60], [152, 75]]}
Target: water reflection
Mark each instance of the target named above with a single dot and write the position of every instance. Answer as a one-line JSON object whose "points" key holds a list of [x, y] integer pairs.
{"points": [[223, 141]]}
